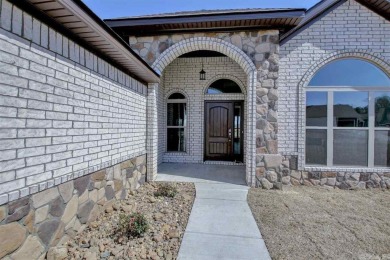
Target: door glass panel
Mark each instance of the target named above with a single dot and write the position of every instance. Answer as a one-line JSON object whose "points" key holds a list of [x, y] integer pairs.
{"points": [[350, 147], [316, 108], [237, 129], [382, 109], [175, 140], [350, 109], [316, 147], [176, 115], [382, 148]]}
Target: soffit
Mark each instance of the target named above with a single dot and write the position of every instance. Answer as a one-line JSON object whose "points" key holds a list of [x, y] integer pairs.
{"points": [[77, 18], [216, 20]]}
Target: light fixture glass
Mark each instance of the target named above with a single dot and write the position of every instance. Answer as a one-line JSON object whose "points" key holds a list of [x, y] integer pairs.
{"points": [[202, 73]]}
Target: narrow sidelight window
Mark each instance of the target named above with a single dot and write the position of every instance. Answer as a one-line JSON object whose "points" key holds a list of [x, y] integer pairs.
{"points": [[176, 123]]}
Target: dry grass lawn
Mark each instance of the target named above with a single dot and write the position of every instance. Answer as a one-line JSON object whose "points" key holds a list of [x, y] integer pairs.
{"points": [[314, 223]]}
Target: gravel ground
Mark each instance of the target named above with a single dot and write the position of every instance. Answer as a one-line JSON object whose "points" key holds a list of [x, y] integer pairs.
{"points": [[167, 219], [315, 223]]}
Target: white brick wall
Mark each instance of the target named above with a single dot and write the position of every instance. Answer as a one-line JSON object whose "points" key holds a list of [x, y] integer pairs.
{"points": [[64, 112], [182, 75], [349, 28]]}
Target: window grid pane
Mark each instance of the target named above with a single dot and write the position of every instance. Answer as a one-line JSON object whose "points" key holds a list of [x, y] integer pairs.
{"points": [[316, 147], [350, 147], [382, 149], [382, 109], [350, 109], [316, 108]]}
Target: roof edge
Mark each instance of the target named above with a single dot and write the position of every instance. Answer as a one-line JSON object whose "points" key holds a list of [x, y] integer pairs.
{"points": [[111, 32], [315, 13], [228, 12], [32, 10], [117, 23]]}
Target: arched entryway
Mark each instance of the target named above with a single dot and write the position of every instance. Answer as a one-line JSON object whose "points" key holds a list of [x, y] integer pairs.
{"points": [[155, 98]]}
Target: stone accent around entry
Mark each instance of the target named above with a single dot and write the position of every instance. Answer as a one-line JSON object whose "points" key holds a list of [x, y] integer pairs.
{"points": [[257, 52], [282, 171], [51, 217]]}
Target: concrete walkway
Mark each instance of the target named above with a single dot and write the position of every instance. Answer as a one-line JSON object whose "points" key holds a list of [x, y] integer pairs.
{"points": [[221, 225]]}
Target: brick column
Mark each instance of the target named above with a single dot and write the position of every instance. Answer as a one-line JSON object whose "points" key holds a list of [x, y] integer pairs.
{"points": [[151, 132]]}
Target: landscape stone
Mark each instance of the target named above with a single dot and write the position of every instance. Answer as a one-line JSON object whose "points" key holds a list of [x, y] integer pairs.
{"points": [[109, 192], [84, 211], [98, 176], [47, 229], [266, 184], [18, 214], [29, 221], [295, 182], [118, 184], [110, 173], [237, 41], [71, 223], [59, 233], [70, 209], [93, 195], [31, 249], [286, 180], [57, 253], [84, 197], [331, 182], [272, 176], [117, 172], [14, 205], [296, 174], [81, 184], [2, 213], [272, 160], [41, 214], [41, 198], [66, 190], [127, 164], [12, 236], [101, 193], [93, 215], [57, 207]]}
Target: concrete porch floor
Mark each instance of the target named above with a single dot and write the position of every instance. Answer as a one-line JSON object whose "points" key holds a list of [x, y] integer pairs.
{"points": [[206, 173], [221, 224]]}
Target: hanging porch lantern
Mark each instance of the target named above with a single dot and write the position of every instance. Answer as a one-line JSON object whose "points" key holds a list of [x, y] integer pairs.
{"points": [[202, 73]]}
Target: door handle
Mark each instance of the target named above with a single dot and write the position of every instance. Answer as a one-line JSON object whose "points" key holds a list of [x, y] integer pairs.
{"points": [[230, 133]]}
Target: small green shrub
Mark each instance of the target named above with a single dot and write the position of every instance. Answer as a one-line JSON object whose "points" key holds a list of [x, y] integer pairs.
{"points": [[166, 190], [132, 225]]}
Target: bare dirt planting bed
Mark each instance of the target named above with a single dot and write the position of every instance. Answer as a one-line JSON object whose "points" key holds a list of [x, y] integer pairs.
{"points": [[166, 217], [314, 223]]}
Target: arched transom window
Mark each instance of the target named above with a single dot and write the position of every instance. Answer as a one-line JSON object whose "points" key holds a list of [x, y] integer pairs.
{"points": [[222, 86], [348, 115], [176, 122]]}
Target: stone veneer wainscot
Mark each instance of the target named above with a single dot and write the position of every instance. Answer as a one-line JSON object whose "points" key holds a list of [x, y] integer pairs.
{"points": [[31, 225]]}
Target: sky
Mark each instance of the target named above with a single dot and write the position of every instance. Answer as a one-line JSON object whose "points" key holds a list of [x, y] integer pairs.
{"points": [[120, 8]]}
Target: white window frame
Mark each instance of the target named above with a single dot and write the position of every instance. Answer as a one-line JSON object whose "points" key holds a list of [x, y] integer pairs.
{"points": [[330, 90], [176, 101]]}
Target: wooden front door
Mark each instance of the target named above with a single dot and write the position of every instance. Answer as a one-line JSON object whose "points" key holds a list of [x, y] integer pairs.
{"points": [[219, 128]]}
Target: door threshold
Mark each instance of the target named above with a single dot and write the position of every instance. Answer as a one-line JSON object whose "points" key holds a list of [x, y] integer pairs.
{"points": [[223, 163]]}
